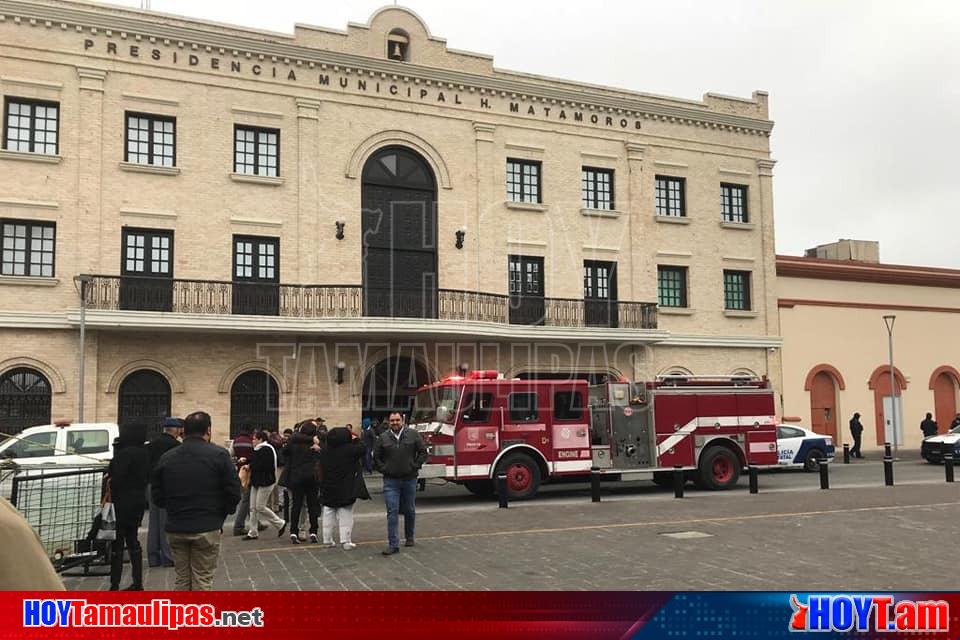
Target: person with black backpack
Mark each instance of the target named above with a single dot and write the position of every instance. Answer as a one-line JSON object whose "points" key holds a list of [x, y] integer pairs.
{"points": [[302, 456]]}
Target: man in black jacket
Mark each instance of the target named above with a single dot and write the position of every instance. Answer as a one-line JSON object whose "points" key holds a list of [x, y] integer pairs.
{"points": [[856, 430], [398, 454], [197, 484], [158, 551], [929, 426]]}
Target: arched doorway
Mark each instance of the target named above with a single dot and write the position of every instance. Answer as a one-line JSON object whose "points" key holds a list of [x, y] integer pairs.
{"points": [[391, 386], [254, 402], [944, 383], [144, 397], [884, 410], [24, 400], [399, 235], [822, 382]]}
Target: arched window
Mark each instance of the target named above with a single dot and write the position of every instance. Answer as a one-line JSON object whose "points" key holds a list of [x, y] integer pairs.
{"points": [[254, 402], [24, 400], [144, 397], [398, 45]]}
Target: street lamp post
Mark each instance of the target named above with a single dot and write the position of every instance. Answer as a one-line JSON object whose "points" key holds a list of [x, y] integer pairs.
{"points": [[888, 321]]}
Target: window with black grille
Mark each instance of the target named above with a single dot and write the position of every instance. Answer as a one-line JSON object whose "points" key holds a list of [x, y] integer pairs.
{"points": [[733, 203], [31, 126], [596, 188], [523, 181], [670, 197], [256, 151], [27, 248], [672, 286], [736, 290], [151, 139]]}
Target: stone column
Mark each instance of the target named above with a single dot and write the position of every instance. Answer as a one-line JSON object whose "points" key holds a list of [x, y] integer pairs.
{"points": [[312, 223], [636, 222], [765, 283], [486, 232]]}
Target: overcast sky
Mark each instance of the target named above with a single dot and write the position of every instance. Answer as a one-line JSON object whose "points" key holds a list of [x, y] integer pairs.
{"points": [[865, 95]]}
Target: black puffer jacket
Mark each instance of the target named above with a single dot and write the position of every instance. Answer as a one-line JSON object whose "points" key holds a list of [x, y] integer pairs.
{"points": [[301, 462], [341, 464], [129, 473], [263, 466]]}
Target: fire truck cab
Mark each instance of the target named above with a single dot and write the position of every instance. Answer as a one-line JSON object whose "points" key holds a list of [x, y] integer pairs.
{"points": [[481, 425]]}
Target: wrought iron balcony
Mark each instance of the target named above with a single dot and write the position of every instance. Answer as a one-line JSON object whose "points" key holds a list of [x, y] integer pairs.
{"points": [[208, 297]]}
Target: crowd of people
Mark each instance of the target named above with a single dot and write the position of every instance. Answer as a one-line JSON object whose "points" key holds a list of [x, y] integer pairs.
{"points": [[266, 479]]}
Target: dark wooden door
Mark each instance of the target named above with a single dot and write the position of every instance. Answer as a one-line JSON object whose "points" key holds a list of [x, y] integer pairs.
{"points": [[399, 236], [527, 305], [823, 405], [146, 282], [600, 293], [256, 276]]}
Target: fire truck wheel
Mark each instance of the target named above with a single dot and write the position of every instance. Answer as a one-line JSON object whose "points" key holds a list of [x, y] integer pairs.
{"points": [[523, 476], [481, 488], [719, 468]]}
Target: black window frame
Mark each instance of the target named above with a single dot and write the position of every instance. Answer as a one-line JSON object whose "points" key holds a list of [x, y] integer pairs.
{"points": [[533, 410], [149, 234], [662, 196], [28, 248], [257, 131], [729, 295], [728, 210], [486, 412], [572, 407], [33, 104], [524, 165], [590, 188], [152, 118], [275, 241], [683, 294]]}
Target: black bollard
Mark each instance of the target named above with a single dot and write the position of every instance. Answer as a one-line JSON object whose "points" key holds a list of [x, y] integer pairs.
{"points": [[824, 473], [887, 465], [678, 481], [846, 454], [595, 484], [948, 466], [502, 490], [754, 480]]}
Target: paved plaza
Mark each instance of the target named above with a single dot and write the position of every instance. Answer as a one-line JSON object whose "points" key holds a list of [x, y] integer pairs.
{"points": [[859, 535]]}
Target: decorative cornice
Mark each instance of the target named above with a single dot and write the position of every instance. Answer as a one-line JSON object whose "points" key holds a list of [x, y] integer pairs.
{"points": [[171, 102], [635, 151], [765, 167], [250, 44], [850, 271], [743, 342], [33, 84], [21, 203], [258, 113]]}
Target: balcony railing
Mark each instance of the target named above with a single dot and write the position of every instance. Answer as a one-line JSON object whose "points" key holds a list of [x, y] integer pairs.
{"points": [[208, 297]]}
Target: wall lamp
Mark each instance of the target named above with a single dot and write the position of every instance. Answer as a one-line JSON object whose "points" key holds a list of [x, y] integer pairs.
{"points": [[341, 223], [463, 368], [340, 369], [461, 233]]}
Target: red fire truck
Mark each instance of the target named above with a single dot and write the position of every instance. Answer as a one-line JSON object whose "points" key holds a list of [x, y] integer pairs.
{"points": [[481, 425]]}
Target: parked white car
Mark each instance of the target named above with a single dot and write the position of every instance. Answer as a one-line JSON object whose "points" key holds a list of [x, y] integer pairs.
{"points": [[61, 445], [802, 447]]}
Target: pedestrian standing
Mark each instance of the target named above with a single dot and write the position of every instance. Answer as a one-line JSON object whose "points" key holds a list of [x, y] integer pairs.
{"points": [[129, 473], [263, 480], [242, 449], [856, 430], [158, 550], [398, 455], [929, 426], [197, 483], [342, 484], [369, 438], [302, 456]]}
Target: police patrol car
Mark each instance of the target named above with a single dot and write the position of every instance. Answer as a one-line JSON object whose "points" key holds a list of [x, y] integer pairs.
{"points": [[801, 447], [933, 447]]}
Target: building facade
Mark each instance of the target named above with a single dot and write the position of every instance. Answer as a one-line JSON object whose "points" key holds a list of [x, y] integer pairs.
{"points": [[836, 344], [272, 227]]}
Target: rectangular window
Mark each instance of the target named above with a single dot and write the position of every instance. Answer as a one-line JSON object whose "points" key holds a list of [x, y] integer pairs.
{"points": [[477, 407], [672, 286], [523, 181], [256, 151], [669, 196], [596, 188], [568, 405], [736, 290], [256, 259], [523, 407], [148, 252], [31, 126], [93, 441], [151, 139], [733, 203], [27, 248]]}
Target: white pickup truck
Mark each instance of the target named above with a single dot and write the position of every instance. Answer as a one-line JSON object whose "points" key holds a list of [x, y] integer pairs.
{"points": [[61, 445]]}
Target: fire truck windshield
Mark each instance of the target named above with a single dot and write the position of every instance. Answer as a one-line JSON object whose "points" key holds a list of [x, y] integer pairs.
{"points": [[438, 404]]}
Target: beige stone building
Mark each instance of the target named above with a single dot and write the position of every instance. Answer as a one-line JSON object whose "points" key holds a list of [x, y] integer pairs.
{"points": [[836, 345], [272, 226]]}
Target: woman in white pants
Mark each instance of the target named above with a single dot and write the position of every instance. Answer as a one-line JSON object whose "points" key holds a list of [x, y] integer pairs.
{"points": [[342, 485], [263, 479]]}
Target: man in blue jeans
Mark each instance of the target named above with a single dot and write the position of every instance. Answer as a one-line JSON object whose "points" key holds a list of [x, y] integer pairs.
{"points": [[398, 454]]}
